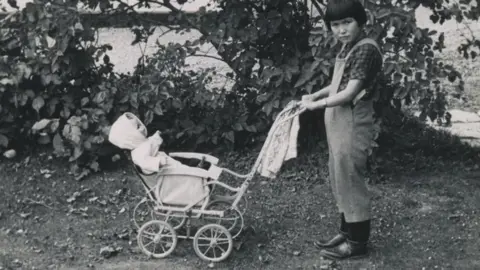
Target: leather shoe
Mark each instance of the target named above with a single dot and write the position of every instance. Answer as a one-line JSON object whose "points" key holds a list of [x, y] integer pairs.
{"points": [[335, 241], [346, 250]]}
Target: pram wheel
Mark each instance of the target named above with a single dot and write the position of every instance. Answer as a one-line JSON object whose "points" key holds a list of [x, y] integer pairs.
{"points": [[213, 243], [146, 210], [157, 239], [177, 220], [232, 219], [143, 212], [242, 204]]}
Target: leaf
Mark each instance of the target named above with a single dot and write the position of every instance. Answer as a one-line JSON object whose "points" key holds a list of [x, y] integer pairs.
{"points": [[187, 124], [158, 108], [237, 127], [30, 12], [230, 136], [116, 158], [22, 99], [177, 104], [400, 92], [30, 93], [6, 81], [201, 139], [179, 135], [84, 101], [397, 77], [78, 26], [72, 133], [94, 166], [52, 105], [307, 74], [100, 97], [77, 152], [10, 153], [25, 215], [418, 76], [423, 116], [82, 174], [38, 103], [263, 97], [41, 125], [148, 117], [58, 145], [3, 140], [44, 139], [389, 67], [267, 108]]}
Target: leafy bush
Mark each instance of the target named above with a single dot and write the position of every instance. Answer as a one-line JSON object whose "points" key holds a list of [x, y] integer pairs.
{"points": [[60, 83], [274, 54], [52, 79], [174, 99], [48, 70]]}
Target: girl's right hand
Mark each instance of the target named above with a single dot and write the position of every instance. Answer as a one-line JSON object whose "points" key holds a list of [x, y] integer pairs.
{"points": [[310, 97]]}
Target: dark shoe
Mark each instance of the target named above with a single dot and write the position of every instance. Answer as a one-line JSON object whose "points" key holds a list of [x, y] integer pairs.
{"points": [[335, 241], [346, 250]]}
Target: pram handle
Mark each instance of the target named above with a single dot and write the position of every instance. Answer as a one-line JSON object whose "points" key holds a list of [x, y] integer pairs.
{"points": [[293, 106], [199, 156]]}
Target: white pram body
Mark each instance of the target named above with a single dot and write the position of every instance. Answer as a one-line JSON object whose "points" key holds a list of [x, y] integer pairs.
{"points": [[167, 179]]}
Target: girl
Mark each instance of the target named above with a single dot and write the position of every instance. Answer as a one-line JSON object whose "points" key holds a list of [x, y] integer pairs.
{"points": [[349, 125]]}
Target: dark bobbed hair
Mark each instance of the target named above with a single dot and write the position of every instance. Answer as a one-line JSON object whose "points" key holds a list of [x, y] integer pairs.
{"points": [[341, 9]]}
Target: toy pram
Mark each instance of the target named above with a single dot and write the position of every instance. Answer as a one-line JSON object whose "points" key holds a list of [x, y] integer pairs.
{"points": [[176, 196]]}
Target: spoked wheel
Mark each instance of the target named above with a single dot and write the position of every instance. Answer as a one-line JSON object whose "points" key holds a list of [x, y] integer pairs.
{"points": [[242, 204], [143, 212], [232, 219], [213, 243], [146, 210], [177, 220], [157, 239]]}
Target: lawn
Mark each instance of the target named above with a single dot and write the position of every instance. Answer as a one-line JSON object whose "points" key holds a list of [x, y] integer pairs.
{"points": [[425, 216]]}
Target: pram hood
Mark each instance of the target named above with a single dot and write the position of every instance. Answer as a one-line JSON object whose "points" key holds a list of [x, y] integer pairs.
{"points": [[128, 132]]}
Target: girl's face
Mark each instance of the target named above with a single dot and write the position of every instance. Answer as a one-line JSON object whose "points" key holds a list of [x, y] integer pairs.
{"points": [[345, 30]]}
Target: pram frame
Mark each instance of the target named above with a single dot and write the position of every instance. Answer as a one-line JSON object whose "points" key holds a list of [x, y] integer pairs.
{"points": [[187, 211]]}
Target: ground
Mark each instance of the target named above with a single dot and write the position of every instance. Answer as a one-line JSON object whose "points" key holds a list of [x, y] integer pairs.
{"points": [[425, 216]]}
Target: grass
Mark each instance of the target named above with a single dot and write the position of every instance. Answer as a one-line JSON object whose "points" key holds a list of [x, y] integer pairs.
{"points": [[425, 213]]}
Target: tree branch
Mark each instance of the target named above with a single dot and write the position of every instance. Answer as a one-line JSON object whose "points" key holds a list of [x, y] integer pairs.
{"points": [[206, 56], [318, 8], [168, 4]]}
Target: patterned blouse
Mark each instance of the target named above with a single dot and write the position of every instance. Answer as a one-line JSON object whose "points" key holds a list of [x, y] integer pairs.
{"points": [[364, 63]]}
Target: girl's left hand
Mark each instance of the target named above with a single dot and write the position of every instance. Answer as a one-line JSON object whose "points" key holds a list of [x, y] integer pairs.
{"points": [[307, 104]]}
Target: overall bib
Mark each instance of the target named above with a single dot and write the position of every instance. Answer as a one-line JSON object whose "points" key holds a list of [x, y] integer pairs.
{"points": [[349, 131]]}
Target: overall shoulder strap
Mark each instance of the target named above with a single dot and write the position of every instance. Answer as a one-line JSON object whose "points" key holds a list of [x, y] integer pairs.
{"points": [[360, 43], [365, 41]]}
